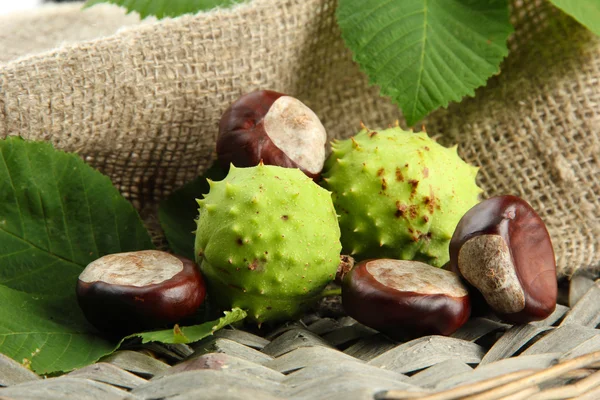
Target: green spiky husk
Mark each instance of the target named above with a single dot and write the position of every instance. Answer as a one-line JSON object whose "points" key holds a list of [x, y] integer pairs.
{"points": [[399, 194], [267, 241]]}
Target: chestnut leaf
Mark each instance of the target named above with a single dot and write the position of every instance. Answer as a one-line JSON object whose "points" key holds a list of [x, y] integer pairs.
{"points": [[47, 333], [166, 8], [177, 213], [425, 53], [189, 334], [58, 214], [586, 12]]}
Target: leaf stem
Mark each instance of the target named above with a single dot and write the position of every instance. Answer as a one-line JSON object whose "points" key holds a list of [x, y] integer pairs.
{"points": [[331, 292]]}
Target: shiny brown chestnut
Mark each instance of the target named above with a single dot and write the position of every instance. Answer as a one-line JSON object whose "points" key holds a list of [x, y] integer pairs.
{"points": [[405, 298], [502, 248], [277, 129], [130, 292]]}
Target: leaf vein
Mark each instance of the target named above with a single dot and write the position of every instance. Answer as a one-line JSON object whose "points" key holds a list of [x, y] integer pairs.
{"points": [[30, 272], [451, 86], [400, 51], [65, 348], [48, 244], [433, 87], [371, 12], [422, 60], [64, 216], [38, 248], [383, 28], [44, 333], [39, 348], [468, 27], [469, 49], [14, 253], [89, 211], [21, 345], [12, 185]]}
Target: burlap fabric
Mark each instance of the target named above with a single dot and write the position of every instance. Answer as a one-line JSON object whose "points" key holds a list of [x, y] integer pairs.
{"points": [[142, 103]]}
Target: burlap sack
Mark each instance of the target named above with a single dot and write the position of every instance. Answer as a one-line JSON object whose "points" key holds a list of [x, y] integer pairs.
{"points": [[143, 104]]}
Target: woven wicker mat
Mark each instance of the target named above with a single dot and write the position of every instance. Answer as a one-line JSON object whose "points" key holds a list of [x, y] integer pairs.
{"points": [[328, 355]]}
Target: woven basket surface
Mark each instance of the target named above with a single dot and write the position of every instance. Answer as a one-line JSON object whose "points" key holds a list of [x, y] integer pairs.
{"points": [[328, 355]]}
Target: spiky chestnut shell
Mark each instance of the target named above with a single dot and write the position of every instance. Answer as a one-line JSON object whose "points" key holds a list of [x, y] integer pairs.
{"points": [[267, 241], [399, 194]]}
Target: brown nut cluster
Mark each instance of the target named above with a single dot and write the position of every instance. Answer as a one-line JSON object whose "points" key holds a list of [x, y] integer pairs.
{"points": [[400, 298], [277, 129], [131, 292], [502, 248]]}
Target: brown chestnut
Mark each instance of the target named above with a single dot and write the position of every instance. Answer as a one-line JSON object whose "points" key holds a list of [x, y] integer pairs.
{"points": [[502, 248], [277, 129], [130, 292], [400, 298]]}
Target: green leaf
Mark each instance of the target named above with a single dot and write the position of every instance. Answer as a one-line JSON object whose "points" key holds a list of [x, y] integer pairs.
{"points": [[166, 8], [586, 12], [426, 53], [47, 333], [57, 214], [189, 334], [177, 213]]}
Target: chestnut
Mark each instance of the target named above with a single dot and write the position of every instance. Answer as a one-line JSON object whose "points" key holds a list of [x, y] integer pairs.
{"points": [[400, 298], [277, 129], [130, 292], [502, 248]]}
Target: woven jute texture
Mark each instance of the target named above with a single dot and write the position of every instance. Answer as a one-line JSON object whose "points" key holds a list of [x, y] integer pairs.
{"points": [[142, 104]]}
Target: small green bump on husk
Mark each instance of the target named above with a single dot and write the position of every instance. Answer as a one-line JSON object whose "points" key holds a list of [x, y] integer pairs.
{"points": [[399, 194], [257, 259]]}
